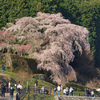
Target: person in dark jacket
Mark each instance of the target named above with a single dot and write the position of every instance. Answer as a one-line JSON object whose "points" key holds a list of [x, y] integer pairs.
{"points": [[36, 82], [17, 96], [11, 93], [3, 89], [3, 69], [7, 87]]}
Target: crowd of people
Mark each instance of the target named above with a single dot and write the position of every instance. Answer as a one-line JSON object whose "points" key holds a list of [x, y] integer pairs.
{"points": [[66, 91], [69, 91], [7, 88], [41, 91], [56, 90], [89, 93]]}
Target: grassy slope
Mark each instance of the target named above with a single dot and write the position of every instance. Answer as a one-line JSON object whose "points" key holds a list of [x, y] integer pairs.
{"points": [[10, 76], [38, 97], [41, 83], [4, 78]]}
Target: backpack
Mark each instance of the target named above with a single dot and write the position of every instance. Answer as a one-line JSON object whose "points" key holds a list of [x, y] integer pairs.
{"points": [[54, 89]]}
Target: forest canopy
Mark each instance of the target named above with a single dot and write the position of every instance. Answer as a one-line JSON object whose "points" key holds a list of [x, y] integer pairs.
{"points": [[81, 12]]}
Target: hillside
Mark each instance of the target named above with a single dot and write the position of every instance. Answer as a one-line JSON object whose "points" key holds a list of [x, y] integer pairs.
{"points": [[4, 78]]}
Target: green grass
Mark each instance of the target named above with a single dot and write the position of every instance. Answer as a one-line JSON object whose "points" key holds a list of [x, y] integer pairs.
{"points": [[15, 77], [76, 93], [41, 83], [32, 96], [12, 75]]}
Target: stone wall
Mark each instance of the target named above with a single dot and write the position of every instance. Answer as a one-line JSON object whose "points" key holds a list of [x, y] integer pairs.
{"points": [[76, 98]]}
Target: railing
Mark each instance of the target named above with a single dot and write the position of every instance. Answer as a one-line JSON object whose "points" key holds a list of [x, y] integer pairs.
{"points": [[38, 94], [38, 90], [23, 92]]}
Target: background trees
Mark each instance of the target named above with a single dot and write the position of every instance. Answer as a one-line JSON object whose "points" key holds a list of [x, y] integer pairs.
{"points": [[81, 12]]}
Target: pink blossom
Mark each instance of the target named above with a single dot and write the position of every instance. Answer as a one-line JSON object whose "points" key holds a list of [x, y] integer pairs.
{"points": [[24, 47]]}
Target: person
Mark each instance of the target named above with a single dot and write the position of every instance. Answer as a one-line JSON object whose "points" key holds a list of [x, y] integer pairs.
{"points": [[89, 92], [43, 89], [59, 89], [16, 86], [9, 84], [67, 81], [3, 89], [17, 96], [64, 91], [54, 91], [71, 91], [7, 87], [19, 87], [92, 93], [36, 82], [3, 69], [85, 91], [11, 93], [98, 94], [67, 91], [35, 86]]}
